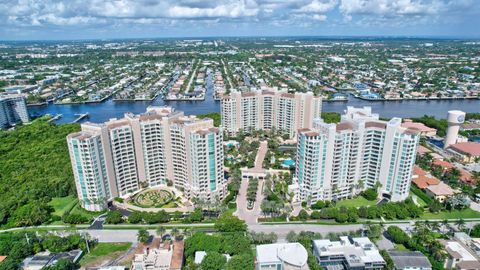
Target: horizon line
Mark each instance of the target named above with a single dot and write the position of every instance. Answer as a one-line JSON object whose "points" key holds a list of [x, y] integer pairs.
{"points": [[438, 37]]}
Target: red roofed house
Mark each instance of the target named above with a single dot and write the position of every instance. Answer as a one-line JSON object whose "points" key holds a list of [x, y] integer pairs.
{"points": [[424, 130], [424, 181], [444, 164], [466, 152], [440, 192], [466, 177], [417, 171]]}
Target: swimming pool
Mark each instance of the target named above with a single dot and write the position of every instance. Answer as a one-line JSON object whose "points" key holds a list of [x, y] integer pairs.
{"points": [[288, 162]]}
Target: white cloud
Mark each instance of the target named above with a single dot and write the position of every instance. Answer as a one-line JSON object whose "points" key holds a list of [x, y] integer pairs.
{"points": [[392, 7], [318, 6], [291, 13]]}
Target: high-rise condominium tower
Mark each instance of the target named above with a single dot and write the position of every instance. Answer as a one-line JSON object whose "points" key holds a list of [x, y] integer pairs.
{"points": [[269, 109], [13, 109], [336, 161], [117, 158]]}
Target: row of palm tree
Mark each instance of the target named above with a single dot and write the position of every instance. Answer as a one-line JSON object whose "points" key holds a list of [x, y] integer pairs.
{"points": [[174, 232]]}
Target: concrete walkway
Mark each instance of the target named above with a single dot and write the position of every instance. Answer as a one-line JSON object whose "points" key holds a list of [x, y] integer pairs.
{"points": [[261, 152], [251, 216]]}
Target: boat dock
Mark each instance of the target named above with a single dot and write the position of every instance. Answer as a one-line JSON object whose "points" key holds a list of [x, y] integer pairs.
{"points": [[55, 118], [80, 117]]}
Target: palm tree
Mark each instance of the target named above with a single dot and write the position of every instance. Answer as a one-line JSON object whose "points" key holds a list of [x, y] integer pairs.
{"points": [[143, 236], [187, 232], [161, 231], [445, 224], [174, 232], [435, 226], [460, 224]]}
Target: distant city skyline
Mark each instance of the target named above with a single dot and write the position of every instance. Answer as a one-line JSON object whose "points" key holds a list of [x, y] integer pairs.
{"points": [[111, 19]]}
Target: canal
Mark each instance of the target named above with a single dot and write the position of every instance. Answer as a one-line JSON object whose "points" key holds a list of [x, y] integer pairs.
{"points": [[100, 112]]}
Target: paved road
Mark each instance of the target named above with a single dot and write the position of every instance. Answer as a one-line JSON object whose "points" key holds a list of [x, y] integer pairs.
{"points": [[384, 243], [250, 216], [280, 229], [97, 224]]}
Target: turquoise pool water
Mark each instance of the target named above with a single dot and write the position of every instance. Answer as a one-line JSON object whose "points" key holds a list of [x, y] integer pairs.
{"points": [[288, 162]]}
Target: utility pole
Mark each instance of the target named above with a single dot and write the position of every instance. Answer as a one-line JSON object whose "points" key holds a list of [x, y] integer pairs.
{"points": [[86, 242], [28, 239]]}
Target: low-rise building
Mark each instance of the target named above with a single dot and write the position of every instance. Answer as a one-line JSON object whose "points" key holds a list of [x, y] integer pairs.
{"points": [[46, 258], [466, 152], [423, 129], [440, 192], [445, 165], [348, 253], [160, 256], [459, 256], [409, 260], [290, 256]]}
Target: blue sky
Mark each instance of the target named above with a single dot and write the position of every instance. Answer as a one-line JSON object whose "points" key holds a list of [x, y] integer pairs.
{"points": [[96, 19]]}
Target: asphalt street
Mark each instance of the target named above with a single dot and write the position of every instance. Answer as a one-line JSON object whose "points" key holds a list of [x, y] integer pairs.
{"points": [[109, 235]]}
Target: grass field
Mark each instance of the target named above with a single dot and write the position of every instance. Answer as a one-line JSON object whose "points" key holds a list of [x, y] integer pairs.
{"points": [[420, 202], [356, 202], [400, 247], [79, 210], [457, 214], [62, 204], [104, 252]]}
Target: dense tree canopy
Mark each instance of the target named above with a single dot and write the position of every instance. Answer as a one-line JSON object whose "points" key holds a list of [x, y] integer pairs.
{"points": [[236, 245], [230, 223], [35, 166], [18, 246], [213, 115], [213, 261]]}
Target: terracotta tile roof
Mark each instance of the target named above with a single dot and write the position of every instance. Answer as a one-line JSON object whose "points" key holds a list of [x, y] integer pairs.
{"points": [[418, 171], [467, 148], [2, 258], [424, 181], [418, 126], [442, 163], [466, 177], [177, 257]]}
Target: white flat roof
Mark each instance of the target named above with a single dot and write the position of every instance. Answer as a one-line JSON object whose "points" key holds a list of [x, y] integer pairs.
{"points": [[458, 248], [291, 253]]}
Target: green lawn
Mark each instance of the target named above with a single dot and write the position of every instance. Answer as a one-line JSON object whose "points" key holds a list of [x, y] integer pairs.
{"points": [[400, 247], [79, 210], [355, 202], [457, 214], [420, 202], [103, 252], [62, 204]]}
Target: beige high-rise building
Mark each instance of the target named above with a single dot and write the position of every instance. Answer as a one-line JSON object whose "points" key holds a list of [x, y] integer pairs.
{"points": [[336, 161], [267, 109], [119, 157]]}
